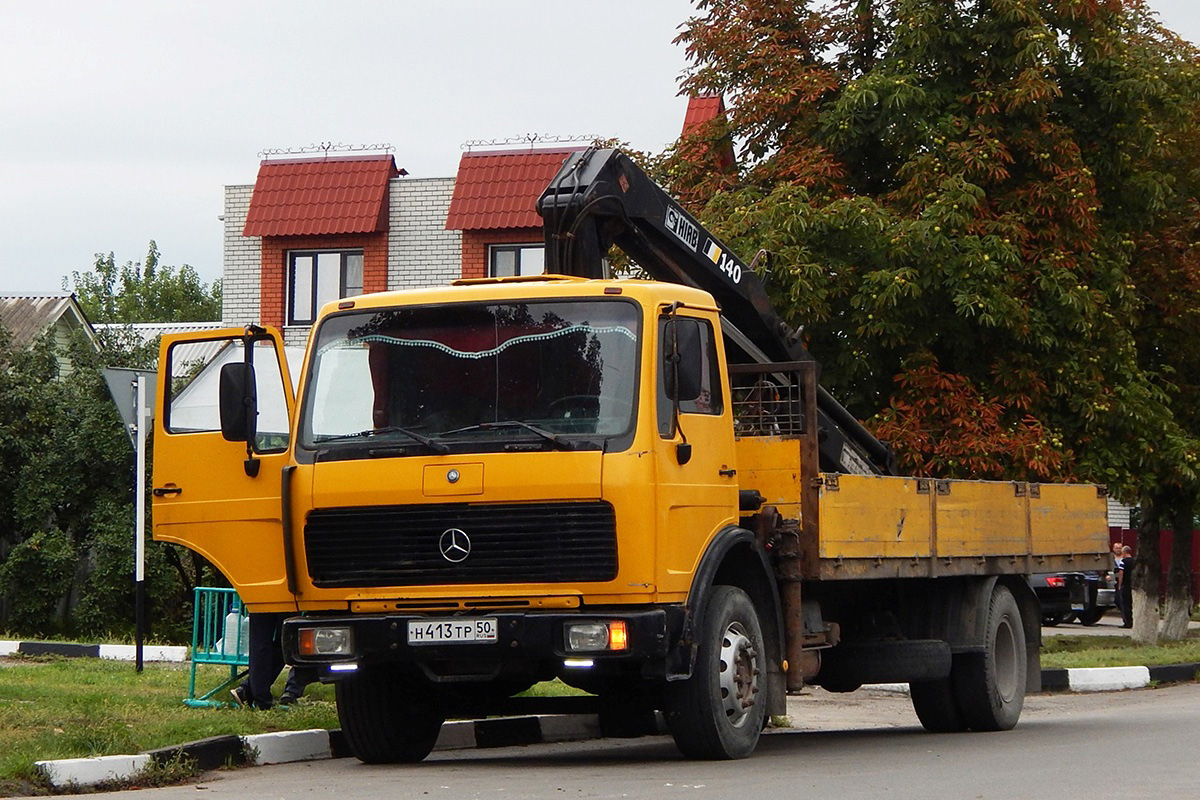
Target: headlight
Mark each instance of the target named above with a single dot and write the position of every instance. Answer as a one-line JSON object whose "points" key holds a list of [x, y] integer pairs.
{"points": [[326, 642], [590, 637]]}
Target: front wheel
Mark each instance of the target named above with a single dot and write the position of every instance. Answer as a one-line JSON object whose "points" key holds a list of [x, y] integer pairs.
{"points": [[719, 712], [384, 720]]}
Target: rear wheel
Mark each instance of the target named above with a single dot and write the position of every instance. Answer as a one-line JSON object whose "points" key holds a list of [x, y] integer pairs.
{"points": [[1091, 616], [989, 687], [936, 706], [719, 712], [384, 721]]}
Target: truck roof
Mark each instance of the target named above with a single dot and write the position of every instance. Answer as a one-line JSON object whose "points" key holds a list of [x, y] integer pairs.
{"points": [[537, 287]]}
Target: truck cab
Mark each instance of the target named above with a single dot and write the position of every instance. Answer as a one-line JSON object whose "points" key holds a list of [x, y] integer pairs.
{"points": [[481, 486]]}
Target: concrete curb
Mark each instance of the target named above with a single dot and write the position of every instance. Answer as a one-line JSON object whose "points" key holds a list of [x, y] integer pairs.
{"points": [[313, 745], [116, 652], [317, 744]]}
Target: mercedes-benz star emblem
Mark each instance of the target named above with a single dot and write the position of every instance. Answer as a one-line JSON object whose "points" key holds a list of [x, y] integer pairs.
{"points": [[452, 476], [454, 545]]}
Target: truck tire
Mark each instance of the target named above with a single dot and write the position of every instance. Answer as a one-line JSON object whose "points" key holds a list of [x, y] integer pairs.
{"points": [[990, 686], [384, 722], [936, 706], [718, 713]]}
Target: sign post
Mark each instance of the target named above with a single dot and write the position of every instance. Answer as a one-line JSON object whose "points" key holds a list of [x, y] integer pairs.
{"points": [[133, 392]]}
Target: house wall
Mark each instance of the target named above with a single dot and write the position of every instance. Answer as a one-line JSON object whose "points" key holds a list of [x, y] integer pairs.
{"points": [[240, 289], [419, 252]]}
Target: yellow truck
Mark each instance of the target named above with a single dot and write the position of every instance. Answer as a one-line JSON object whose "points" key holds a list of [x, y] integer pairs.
{"points": [[634, 486]]}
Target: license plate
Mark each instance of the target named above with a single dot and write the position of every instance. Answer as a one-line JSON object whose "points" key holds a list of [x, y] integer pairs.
{"points": [[453, 630]]}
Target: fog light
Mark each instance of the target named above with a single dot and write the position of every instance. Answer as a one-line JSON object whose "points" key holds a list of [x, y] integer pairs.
{"points": [[325, 642], [578, 663]]}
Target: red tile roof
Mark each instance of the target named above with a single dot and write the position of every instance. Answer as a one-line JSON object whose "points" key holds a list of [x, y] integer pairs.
{"points": [[702, 109], [499, 189], [313, 196]]}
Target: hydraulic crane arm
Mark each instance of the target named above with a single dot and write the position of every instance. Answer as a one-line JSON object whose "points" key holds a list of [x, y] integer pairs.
{"points": [[600, 198]]}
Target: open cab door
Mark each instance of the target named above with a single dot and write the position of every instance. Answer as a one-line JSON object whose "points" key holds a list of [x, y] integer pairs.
{"points": [[222, 432]]}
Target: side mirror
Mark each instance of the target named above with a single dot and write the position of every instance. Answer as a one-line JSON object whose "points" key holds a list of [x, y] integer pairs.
{"points": [[239, 402], [685, 357]]}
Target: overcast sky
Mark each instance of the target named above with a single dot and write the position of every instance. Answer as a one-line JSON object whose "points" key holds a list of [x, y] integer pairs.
{"points": [[122, 121]]}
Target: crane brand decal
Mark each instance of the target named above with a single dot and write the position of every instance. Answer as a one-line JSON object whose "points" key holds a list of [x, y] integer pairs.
{"points": [[679, 225], [724, 261]]}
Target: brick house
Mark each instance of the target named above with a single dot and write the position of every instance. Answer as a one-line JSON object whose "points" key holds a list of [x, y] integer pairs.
{"points": [[312, 230]]}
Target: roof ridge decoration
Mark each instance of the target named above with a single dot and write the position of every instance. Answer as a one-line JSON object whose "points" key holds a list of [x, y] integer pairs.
{"points": [[325, 148], [529, 141]]}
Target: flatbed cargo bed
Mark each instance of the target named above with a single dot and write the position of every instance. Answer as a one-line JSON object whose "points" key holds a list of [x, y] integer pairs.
{"points": [[875, 526]]}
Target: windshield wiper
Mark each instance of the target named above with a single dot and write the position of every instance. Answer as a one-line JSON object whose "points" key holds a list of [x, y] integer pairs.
{"points": [[438, 447], [554, 438]]}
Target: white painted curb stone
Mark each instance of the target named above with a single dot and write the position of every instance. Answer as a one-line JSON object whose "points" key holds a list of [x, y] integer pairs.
{"points": [[90, 771], [1107, 679], [128, 652], [288, 746], [8, 648]]}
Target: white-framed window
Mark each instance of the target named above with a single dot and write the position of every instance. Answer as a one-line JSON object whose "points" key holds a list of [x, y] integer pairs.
{"points": [[316, 277], [508, 260]]}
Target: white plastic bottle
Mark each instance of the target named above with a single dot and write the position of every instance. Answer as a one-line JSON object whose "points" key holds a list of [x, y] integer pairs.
{"points": [[233, 639]]}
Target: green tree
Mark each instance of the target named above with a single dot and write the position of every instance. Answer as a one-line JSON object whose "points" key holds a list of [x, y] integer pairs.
{"points": [[66, 502], [977, 207], [145, 291]]}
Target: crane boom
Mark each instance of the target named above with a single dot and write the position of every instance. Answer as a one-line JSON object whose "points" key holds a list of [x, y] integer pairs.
{"points": [[601, 197]]}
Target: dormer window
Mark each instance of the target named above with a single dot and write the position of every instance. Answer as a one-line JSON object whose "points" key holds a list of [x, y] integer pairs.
{"points": [[315, 278]]}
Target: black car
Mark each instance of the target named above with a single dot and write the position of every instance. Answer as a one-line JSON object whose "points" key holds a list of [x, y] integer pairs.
{"points": [[1066, 596]]}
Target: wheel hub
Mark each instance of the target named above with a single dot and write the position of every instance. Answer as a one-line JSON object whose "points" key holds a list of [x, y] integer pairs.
{"points": [[739, 671]]}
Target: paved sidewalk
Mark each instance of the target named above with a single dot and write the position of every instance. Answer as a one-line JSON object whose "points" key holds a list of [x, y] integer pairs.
{"points": [[1109, 625]]}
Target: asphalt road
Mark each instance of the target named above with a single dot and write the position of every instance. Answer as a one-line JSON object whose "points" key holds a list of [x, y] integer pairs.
{"points": [[1139, 744]]}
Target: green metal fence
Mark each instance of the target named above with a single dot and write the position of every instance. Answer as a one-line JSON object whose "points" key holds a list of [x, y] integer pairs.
{"points": [[220, 635]]}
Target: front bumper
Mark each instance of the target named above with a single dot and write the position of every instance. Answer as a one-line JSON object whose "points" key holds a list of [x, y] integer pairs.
{"points": [[523, 639]]}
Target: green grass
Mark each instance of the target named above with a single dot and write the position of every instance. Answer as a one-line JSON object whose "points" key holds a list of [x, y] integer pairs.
{"points": [[1069, 652], [53, 707]]}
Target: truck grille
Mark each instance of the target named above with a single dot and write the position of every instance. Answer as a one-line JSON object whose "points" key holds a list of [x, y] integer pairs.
{"points": [[402, 545]]}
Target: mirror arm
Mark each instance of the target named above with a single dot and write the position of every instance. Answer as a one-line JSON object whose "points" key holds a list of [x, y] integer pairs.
{"points": [[683, 450], [253, 332]]}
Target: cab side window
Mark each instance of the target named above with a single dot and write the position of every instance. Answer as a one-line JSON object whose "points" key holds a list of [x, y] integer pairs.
{"points": [[694, 343]]}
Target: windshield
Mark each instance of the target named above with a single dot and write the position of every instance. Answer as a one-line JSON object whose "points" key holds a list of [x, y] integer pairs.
{"points": [[464, 374]]}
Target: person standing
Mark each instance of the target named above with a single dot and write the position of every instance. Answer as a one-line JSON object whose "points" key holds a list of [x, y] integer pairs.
{"points": [[266, 660], [1125, 586], [1116, 572]]}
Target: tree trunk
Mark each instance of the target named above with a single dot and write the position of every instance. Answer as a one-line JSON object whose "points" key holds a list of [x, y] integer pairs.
{"points": [[1146, 570], [1179, 575]]}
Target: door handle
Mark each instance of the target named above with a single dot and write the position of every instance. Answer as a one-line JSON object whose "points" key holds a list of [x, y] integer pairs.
{"points": [[727, 473], [163, 491]]}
